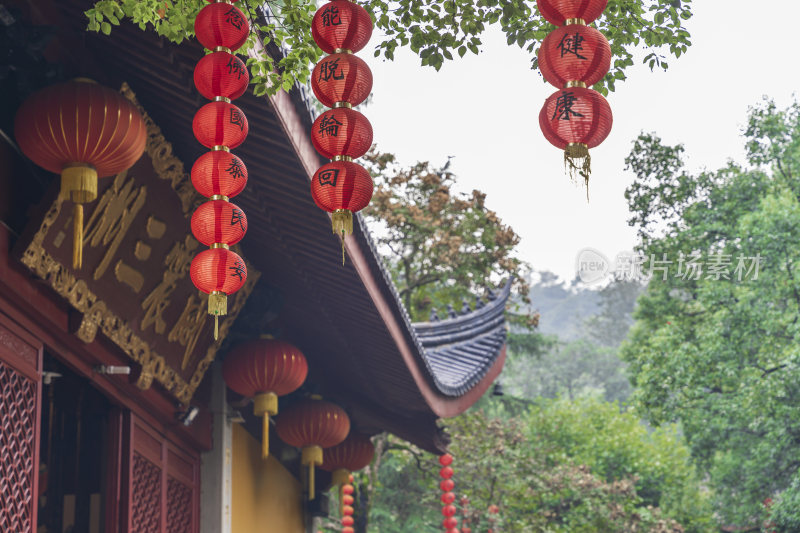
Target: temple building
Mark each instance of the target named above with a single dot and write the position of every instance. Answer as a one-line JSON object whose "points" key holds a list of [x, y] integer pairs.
{"points": [[114, 416]]}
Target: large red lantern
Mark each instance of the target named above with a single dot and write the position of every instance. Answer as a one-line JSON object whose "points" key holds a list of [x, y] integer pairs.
{"points": [[354, 453], [219, 173], [221, 25], [219, 221], [221, 75], [341, 78], [560, 12], [82, 131], [312, 425], [341, 188], [264, 369], [341, 25], [220, 123], [575, 53], [574, 120]]}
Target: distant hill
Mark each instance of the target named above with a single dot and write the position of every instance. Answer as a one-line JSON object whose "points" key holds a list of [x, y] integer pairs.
{"points": [[564, 307]]}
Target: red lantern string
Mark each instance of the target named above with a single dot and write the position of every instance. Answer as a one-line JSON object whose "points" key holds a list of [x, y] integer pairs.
{"points": [[340, 81], [573, 57], [347, 506], [219, 125], [450, 522]]}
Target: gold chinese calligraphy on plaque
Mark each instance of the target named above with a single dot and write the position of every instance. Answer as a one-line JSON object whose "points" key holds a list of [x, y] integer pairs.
{"points": [[134, 286]]}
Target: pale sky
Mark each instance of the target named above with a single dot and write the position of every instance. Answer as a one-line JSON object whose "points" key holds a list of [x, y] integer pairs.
{"points": [[484, 111]]}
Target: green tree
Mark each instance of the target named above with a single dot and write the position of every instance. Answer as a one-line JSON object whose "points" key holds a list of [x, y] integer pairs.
{"points": [[435, 30], [718, 352], [441, 246]]}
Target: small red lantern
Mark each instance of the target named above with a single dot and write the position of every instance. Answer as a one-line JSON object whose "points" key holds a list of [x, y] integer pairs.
{"points": [[449, 510], [221, 74], [348, 489], [341, 78], [342, 188], [348, 510], [353, 453], [448, 498], [574, 53], [82, 131], [447, 485], [264, 369], [219, 221], [221, 25], [218, 272], [341, 25], [559, 12], [346, 499], [574, 120], [446, 472], [220, 124], [446, 459], [348, 521], [341, 132], [313, 425], [450, 522], [219, 173]]}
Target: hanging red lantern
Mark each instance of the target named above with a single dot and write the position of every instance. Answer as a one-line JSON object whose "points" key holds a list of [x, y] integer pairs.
{"points": [[220, 124], [341, 78], [348, 489], [219, 221], [313, 425], [264, 369], [221, 74], [221, 25], [447, 485], [218, 272], [341, 25], [346, 499], [574, 120], [448, 498], [446, 472], [348, 521], [341, 132], [445, 459], [449, 510], [342, 188], [450, 522], [576, 53], [82, 131], [558, 12], [348, 510], [219, 173], [353, 453]]}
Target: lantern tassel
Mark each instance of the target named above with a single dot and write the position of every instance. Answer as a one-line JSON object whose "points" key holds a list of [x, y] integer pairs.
{"points": [[77, 236], [342, 223], [217, 305], [265, 405], [577, 161]]}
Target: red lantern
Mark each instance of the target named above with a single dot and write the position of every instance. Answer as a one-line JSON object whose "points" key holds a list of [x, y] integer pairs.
{"points": [[493, 509], [348, 530], [575, 120], [448, 498], [348, 521], [447, 485], [219, 221], [341, 25], [452, 530], [221, 25], [342, 188], [354, 453], [264, 369], [313, 425], [341, 78], [341, 132], [574, 53], [450, 522], [220, 124], [221, 74], [347, 489], [446, 459], [558, 12], [348, 510], [346, 499], [449, 510], [219, 173], [446, 472], [218, 272], [82, 131]]}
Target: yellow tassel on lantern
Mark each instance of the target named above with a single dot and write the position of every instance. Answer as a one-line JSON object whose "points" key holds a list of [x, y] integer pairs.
{"points": [[342, 222], [312, 456], [265, 405], [577, 161], [78, 185], [217, 305]]}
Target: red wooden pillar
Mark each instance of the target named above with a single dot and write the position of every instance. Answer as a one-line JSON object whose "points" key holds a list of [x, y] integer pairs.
{"points": [[20, 397]]}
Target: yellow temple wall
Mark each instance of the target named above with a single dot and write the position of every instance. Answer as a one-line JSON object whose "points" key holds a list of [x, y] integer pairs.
{"points": [[265, 497]]}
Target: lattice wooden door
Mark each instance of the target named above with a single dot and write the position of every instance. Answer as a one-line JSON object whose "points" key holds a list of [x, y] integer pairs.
{"points": [[164, 487], [20, 361]]}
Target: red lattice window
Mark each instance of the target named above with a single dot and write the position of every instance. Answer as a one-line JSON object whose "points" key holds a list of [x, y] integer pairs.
{"points": [[17, 449], [146, 496], [179, 507]]}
